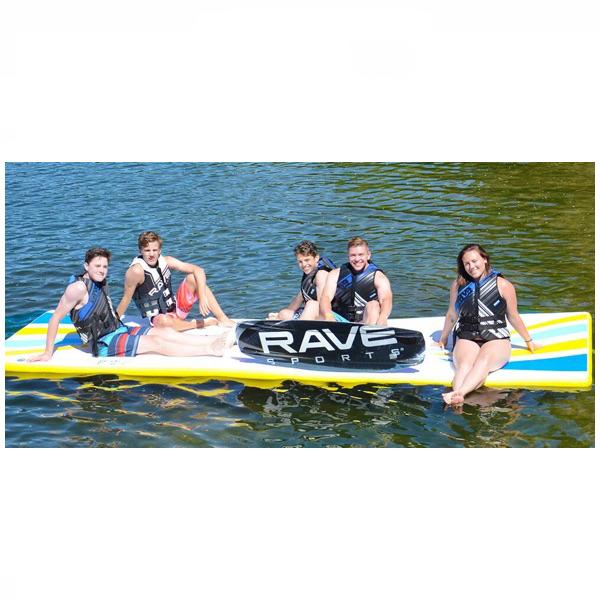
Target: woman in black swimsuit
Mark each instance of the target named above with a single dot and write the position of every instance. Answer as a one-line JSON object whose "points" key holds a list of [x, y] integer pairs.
{"points": [[480, 302]]}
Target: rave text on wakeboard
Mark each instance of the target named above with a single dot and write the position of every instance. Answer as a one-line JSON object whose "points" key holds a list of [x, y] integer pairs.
{"points": [[359, 337]]}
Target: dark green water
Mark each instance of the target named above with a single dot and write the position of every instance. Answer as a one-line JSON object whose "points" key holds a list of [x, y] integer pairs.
{"points": [[240, 222]]}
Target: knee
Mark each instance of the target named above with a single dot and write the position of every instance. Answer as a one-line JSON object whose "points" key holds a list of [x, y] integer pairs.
{"points": [[161, 321], [483, 362], [464, 367], [372, 310], [464, 363], [190, 281], [311, 307], [373, 307]]}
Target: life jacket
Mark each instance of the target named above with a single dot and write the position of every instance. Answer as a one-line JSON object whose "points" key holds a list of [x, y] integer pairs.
{"points": [[97, 317], [154, 295], [354, 290], [481, 310], [308, 287]]}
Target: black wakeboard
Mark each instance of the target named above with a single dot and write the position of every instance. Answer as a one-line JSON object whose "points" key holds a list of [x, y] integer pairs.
{"points": [[331, 344]]}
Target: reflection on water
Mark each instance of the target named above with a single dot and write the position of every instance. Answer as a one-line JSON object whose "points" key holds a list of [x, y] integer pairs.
{"points": [[101, 411], [241, 224]]}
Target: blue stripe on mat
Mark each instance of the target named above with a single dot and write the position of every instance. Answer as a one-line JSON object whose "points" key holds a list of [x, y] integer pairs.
{"points": [[45, 318], [577, 362]]}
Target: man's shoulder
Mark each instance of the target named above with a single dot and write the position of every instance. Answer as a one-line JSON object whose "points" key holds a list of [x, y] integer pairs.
{"points": [[76, 289], [172, 261], [381, 279], [135, 271]]}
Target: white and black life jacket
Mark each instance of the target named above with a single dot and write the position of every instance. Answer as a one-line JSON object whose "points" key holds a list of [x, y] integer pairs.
{"points": [[154, 295]]}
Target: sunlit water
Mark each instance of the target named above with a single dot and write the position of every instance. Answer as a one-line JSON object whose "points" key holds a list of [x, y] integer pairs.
{"points": [[241, 222]]}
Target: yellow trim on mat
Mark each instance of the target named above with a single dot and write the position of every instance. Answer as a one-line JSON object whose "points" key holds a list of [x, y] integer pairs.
{"points": [[578, 317], [43, 330], [558, 347], [38, 350]]}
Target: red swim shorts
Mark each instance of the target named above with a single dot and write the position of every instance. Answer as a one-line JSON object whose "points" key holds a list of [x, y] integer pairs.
{"points": [[185, 300]]}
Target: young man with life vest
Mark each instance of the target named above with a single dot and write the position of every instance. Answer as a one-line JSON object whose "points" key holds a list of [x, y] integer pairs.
{"points": [[88, 302], [148, 283], [305, 304], [358, 291]]}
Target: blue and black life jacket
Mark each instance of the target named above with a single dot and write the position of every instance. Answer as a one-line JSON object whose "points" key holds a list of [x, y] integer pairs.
{"points": [[308, 286], [354, 290], [154, 295], [97, 317], [481, 310]]}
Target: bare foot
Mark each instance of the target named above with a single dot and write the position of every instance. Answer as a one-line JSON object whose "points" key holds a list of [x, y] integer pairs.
{"points": [[226, 322], [220, 344], [453, 397], [457, 398], [207, 322], [447, 396]]}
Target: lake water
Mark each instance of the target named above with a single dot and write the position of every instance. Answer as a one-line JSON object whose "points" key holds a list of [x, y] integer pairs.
{"points": [[240, 222]]}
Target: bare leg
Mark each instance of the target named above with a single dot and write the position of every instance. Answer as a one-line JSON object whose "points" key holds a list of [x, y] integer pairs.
{"points": [[178, 324], [464, 355], [214, 306], [371, 314], [492, 356], [173, 343], [311, 311]]}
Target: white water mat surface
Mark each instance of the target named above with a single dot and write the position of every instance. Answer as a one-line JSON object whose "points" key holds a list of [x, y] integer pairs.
{"points": [[563, 361]]}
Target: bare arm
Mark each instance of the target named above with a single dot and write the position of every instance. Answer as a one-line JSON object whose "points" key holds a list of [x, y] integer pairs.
{"points": [[294, 305], [199, 277], [451, 316], [74, 294], [134, 276], [321, 280], [296, 302], [385, 296], [507, 290], [327, 295]]}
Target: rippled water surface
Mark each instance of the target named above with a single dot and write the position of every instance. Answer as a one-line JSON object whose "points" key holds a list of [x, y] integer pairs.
{"points": [[241, 222]]}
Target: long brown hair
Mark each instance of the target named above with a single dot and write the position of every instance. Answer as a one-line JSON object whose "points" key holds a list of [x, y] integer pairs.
{"points": [[463, 277]]}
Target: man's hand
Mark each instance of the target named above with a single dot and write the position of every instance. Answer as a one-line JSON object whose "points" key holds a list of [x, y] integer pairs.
{"points": [[46, 356]]}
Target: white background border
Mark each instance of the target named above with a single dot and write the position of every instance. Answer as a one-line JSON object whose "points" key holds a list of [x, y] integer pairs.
{"points": [[197, 81]]}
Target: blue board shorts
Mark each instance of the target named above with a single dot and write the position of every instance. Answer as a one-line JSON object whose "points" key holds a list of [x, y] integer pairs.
{"points": [[339, 318], [122, 341]]}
